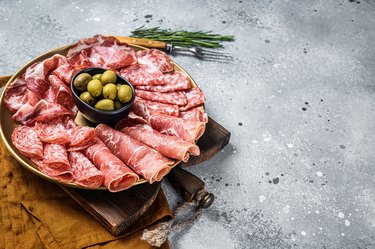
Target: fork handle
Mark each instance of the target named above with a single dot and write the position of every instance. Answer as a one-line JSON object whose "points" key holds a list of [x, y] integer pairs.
{"points": [[142, 42]]}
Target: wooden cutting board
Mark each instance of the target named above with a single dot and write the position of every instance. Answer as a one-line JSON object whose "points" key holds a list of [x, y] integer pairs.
{"points": [[117, 211]]}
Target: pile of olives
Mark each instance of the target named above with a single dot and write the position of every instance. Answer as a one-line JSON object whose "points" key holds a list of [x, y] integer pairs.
{"points": [[101, 90]]}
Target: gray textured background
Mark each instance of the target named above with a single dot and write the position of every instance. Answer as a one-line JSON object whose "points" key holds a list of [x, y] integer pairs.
{"points": [[290, 177]]}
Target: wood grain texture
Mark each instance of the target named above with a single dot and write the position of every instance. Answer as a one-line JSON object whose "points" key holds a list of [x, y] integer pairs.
{"points": [[142, 42]]}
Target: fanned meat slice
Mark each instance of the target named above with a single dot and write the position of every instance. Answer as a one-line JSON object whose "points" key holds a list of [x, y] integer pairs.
{"points": [[129, 121], [142, 75], [84, 172], [56, 157], [175, 81], [144, 160], [25, 139], [194, 98], [42, 111], [101, 51], [155, 58], [61, 93], [16, 95], [36, 74], [81, 137], [53, 131], [168, 146], [195, 114], [174, 98], [64, 176], [65, 72], [117, 176], [172, 110]]}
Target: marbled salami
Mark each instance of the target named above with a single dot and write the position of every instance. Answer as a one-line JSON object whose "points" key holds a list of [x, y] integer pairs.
{"points": [[172, 110], [56, 157], [195, 97], [84, 172], [65, 176], [174, 98], [53, 131], [26, 140], [142, 75], [155, 58], [175, 81], [196, 114]]}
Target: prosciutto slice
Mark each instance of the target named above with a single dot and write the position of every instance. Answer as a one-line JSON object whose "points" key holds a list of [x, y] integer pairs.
{"points": [[101, 51], [187, 130], [195, 97], [16, 95], [53, 131], [42, 111], [174, 98], [155, 58], [195, 114], [25, 139], [56, 157], [168, 146], [65, 72], [61, 94], [117, 176], [84, 172], [144, 160], [168, 109], [175, 81], [142, 75], [65, 176]]}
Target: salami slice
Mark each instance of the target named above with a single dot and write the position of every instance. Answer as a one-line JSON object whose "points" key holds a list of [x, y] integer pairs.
{"points": [[195, 97], [25, 139], [16, 95], [155, 58], [64, 176], [168, 109], [55, 157], [81, 137], [84, 172], [101, 51], [195, 114], [42, 111], [117, 176], [53, 131], [168, 146], [142, 75], [174, 98], [144, 160], [175, 81]]}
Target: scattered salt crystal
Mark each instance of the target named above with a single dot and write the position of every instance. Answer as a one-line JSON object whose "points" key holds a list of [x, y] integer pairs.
{"points": [[303, 233], [262, 198], [290, 146], [266, 139], [341, 215], [320, 228], [347, 223], [286, 209], [317, 211], [342, 234], [320, 174]]}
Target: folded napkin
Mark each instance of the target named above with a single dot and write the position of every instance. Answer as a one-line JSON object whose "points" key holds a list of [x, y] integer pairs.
{"points": [[36, 213]]}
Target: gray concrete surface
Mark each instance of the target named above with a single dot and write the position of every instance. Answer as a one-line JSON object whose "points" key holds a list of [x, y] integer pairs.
{"points": [[298, 98]]}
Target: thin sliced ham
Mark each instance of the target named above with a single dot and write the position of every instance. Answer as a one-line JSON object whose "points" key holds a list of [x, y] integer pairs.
{"points": [[174, 81], [172, 110], [42, 111], [64, 176], [61, 93], [84, 172], [101, 51], [26, 140], [56, 157], [173, 98], [16, 95], [142, 75], [194, 97], [168, 146], [65, 72], [117, 176], [144, 160], [155, 58], [195, 114]]}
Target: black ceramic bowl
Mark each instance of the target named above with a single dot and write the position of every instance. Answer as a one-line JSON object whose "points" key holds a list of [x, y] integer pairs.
{"points": [[97, 116]]}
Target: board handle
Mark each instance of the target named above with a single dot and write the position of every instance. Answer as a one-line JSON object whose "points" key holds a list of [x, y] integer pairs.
{"points": [[142, 42], [190, 187]]}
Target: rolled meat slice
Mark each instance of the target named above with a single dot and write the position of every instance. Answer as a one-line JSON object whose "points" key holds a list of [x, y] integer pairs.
{"points": [[56, 157], [144, 160], [195, 97], [80, 137], [85, 173], [65, 176], [26, 140], [117, 176], [168, 146]]}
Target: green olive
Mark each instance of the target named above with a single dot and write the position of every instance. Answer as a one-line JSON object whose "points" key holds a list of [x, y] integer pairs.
{"points": [[81, 81], [108, 77], [87, 98], [124, 93], [110, 91], [97, 76], [118, 104], [105, 105], [95, 88]]}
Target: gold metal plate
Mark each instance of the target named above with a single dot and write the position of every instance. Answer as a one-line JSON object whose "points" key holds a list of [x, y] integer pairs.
{"points": [[7, 125]]}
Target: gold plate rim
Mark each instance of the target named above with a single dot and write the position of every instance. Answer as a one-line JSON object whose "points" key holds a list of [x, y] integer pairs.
{"points": [[26, 162]]}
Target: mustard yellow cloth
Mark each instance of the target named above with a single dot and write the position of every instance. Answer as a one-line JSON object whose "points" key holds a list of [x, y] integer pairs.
{"points": [[36, 213]]}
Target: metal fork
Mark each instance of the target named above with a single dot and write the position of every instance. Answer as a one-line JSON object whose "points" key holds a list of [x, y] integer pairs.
{"points": [[201, 53]]}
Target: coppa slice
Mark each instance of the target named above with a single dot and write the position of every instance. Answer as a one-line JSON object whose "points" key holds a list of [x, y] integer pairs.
{"points": [[168, 146], [195, 97], [25, 139], [16, 95], [55, 157], [142, 75], [65, 176], [142, 159], [155, 58], [85, 173], [61, 94], [195, 114], [174, 98], [175, 81], [168, 109], [117, 176]]}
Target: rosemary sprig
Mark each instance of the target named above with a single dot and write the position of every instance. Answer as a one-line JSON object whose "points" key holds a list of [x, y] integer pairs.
{"points": [[183, 38]]}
